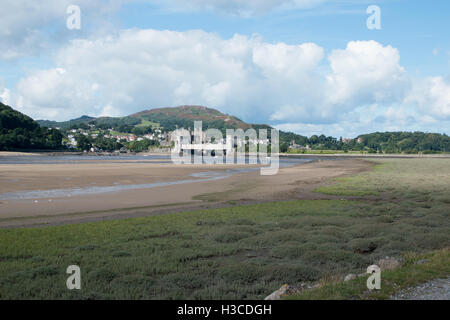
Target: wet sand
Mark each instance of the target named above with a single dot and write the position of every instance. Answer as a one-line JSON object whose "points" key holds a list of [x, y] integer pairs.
{"points": [[250, 187], [15, 154]]}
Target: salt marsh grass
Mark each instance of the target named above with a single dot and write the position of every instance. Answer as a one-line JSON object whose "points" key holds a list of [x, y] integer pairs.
{"points": [[239, 252]]}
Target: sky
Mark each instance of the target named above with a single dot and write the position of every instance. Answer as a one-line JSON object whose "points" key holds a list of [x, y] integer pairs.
{"points": [[306, 66]]}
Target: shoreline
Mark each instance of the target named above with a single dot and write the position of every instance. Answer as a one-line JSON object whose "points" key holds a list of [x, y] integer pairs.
{"points": [[365, 155], [295, 182], [281, 155], [78, 153]]}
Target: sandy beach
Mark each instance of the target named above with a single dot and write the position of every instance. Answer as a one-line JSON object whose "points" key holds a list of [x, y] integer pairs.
{"points": [[290, 183], [16, 154]]}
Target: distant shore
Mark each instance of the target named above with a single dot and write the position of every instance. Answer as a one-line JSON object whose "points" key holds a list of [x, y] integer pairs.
{"points": [[75, 153], [366, 155], [289, 155], [18, 154]]}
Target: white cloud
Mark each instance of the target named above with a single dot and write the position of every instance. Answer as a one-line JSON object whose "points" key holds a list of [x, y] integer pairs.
{"points": [[109, 111], [309, 129], [368, 90], [399, 115], [289, 61], [30, 27], [364, 88], [23, 23], [289, 112], [432, 96], [366, 72], [148, 68], [367, 119], [5, 96]]}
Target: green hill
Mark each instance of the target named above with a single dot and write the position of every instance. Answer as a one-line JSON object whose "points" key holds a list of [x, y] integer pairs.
{"points": [[407, 142], [184, 116], [166, 118], [65, 124], [169, 119], [20, 132]]}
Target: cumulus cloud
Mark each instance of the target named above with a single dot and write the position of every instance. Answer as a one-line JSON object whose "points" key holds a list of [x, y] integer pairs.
{"points": [[290, 61], [363, 87], [5, 95], [148, 68], [431, 95], [25, 24], [367, 119], [366, 72], [29, 27]]}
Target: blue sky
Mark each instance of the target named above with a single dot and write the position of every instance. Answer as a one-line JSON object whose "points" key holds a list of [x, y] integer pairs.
{"points": [[308, 66], [415, 27]]}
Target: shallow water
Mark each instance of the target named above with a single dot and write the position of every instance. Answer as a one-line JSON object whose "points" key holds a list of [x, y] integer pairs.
{"points": [[44, 159], [70, 192]]}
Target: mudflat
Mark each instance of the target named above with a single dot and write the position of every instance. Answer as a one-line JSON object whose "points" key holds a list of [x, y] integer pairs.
{"points": [[295, 182]]}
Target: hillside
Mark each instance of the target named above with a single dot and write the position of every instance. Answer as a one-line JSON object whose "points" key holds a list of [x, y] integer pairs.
{"points": [[169, 119], [409, 142], [377, 142], [166, 118], [20, 132], [181, 116], [65, 124]]}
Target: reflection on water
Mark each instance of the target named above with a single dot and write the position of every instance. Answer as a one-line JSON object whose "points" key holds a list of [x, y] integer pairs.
{"points": [[69, 192], [58, 193]]}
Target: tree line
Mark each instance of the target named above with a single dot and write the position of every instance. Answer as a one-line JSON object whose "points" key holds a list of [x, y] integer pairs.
{"points": [[20, 132], [378, 142]]}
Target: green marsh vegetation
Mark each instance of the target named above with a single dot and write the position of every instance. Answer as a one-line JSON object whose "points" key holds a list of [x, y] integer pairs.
{"points": [[416, 268], [240, 252]]}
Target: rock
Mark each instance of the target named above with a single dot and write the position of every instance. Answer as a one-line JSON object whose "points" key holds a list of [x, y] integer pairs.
{"points": [[314, 285], [276, 295], [422, 261], [362, 275], [349, 277], [287, 290], [388, 263], [437, 289], [294, 289]]}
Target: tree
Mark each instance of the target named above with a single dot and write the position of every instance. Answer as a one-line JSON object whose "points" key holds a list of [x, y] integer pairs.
{"points": [[284, 147], [83, 143], [143, 145], [20, 132]]}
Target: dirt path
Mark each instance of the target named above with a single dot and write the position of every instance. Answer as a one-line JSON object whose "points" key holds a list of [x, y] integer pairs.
{"points": [[437, 289]]}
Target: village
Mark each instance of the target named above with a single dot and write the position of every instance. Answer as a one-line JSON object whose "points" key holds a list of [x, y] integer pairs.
{"points": [[116, 141], [97, 140]]}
